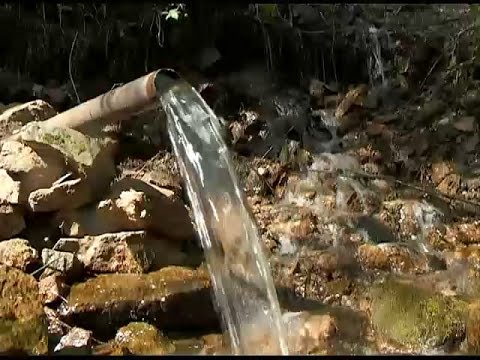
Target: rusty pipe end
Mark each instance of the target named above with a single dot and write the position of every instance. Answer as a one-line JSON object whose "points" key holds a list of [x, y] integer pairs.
{"points": [[165, 79]]}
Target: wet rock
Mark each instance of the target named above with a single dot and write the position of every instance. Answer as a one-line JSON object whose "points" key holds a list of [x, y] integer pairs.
{"points": [[415, 317], [132, 205], [52, 288], [9, 189], [19, 254], [215, 344], [409, 219], [75, 338], [391, 257], [143, 339], [300, 226], [89, 158], [11, 221], [69, 194], [463, 233], [61, 261], [37, 110], [22, 319], [34, 169], [172, 298], [133, 252], [309, 334]]}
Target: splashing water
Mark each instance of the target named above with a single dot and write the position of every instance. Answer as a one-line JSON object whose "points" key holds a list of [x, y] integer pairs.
{"points": [[241, 278]]}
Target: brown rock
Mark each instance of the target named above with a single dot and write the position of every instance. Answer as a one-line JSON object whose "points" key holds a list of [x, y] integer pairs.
{"points": [[391, 257], [172, 298], [300, 226], [9, 189], [464, 233], [64, 262], [18, 253], [405, 217], [353, 97], [309, 333], [22, 319], [215, 344], [69, 194], [52, 288], [37, 110], [440, 169], [137, 206], [68, 245], [132, 252], [90, 158], [11, 221], [450, 185], [33, 169]]}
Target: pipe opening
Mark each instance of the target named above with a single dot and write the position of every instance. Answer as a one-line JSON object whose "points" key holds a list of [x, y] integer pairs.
{"points": [[165, 79]]}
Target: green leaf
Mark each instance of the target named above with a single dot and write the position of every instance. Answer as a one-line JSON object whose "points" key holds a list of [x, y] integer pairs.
{"points": [[173, 13]]}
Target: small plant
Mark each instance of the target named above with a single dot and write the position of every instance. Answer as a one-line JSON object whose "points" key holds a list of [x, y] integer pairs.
{"points": [[175, 11]]}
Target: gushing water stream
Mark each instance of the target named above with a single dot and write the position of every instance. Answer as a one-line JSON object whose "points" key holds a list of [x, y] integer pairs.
{"points": [[241, 278]]}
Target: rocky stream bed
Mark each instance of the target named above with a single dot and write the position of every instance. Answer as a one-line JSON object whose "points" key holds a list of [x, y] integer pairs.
{"points": [[374, 248]]}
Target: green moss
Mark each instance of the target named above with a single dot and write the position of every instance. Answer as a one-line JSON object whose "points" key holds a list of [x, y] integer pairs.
{"points": [[415, 317], [23, 324], [122, 287], [143, 339], [26, 335]]}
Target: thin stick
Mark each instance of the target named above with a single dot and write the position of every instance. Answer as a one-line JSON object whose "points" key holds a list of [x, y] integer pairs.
{"points": [[430, 192], [70, 67]]}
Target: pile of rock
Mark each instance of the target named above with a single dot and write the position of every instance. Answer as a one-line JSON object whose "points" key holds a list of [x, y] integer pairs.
{"points": [[65, 218]]}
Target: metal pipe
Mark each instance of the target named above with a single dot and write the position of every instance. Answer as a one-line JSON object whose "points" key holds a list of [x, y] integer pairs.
{"points": [[117, 104]]}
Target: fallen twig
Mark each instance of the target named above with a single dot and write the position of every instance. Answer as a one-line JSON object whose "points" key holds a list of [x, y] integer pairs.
{"points": [[430, 192], [70, 67]]}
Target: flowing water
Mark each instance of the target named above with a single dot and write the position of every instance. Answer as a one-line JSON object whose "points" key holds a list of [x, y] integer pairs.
{"points": [[241, 278]]}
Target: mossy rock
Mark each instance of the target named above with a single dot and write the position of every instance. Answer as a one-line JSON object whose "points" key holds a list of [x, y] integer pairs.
{"points": [[415, 317], [23, 325], [89, 157], [144, 339], [173, 298]]}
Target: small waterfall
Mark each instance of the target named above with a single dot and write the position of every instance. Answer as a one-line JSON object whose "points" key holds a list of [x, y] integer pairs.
{"points": [[244, 289], [376, 68]]}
